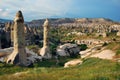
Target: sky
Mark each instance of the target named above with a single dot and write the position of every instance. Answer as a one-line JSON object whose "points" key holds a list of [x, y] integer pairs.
{"points": [[39, 9]]}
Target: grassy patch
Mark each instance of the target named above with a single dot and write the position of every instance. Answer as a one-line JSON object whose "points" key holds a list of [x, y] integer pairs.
{"points": [[114, 46], [9, 69], [118, 52], [91, 69]]}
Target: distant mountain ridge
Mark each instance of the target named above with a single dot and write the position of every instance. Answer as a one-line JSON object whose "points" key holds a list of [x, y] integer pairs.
{"points": [[66, 20], [4, 20], [71, 21], [59, 21]]}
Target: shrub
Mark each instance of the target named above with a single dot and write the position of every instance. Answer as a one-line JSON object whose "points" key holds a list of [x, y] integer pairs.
{"points": [[118, 52], [83, 46], [105, 44]]}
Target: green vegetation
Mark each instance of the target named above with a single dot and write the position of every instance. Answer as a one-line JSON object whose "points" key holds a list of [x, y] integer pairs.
{"points": [[83, 46], [114, 46], [34, 48], [10, 69], [91, 69], [111, 34], [118, 52]]}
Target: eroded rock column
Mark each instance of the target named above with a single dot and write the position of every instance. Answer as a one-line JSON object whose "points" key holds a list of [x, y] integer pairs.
{"points": [[45, 51], [19, 56]]}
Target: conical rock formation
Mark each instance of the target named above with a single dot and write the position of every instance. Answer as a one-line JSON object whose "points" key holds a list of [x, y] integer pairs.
{"points": [[18, 56], [45, 51]]}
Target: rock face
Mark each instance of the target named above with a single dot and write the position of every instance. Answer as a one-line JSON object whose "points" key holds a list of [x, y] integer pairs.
{"points": [[8, 31], [12, 34], [101, 34], [90, 51], [68, 49], [89, 42], [18, 56], [31, 56], [45, 51]]}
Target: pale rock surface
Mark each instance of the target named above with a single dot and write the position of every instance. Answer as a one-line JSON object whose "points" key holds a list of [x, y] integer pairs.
{"points": [[118, 33], [105, 54], [31, 56], [18, 56], [67, 49], [85, 53], [4, 53], [45, 50], [90, 51], [73, 63]]}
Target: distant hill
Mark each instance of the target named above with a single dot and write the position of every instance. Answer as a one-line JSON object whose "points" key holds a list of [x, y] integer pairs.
{"points": [[4, 20], [65, 21], [71, 21], [94, 20]]}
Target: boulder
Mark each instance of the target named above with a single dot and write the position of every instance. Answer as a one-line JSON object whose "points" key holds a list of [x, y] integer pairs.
{"points": [[72, 63], [32, 56], [68, 49]]}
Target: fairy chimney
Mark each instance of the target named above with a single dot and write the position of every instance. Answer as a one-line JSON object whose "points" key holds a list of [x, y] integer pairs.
{"points": [[12, 34], [18, 56], [8, 33], [0, 41], [45, 50]]}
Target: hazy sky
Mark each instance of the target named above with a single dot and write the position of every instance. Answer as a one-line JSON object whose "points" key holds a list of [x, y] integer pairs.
{"points": [[37, 9]]}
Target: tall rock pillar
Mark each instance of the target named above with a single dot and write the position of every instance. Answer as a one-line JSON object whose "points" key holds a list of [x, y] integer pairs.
{"points": [[19, 55], [45, 50]]}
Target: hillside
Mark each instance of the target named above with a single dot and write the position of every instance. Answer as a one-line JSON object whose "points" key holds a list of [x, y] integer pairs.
{"points": [[91, 69], [94, 68]]}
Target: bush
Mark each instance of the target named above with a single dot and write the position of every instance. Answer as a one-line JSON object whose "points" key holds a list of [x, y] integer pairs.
{"points": [[83, 46], [105, 44], [118, 52]]}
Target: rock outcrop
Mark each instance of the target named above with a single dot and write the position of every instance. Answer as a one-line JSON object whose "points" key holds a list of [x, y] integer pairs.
{"points": [[90, 51], [68, 49], [45, 51], [31, 56], [105, 54], [73, 63], [19, 55]]}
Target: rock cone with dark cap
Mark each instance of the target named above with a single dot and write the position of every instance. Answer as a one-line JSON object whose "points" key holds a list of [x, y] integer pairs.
{"points": [[45, 51], [18, 56]]}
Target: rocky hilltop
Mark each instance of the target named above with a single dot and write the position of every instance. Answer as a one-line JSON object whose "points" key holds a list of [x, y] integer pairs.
{"points": [[70, 21]]}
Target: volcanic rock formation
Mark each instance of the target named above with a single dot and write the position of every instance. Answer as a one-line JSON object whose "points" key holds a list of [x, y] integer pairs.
{"points": [[45, 51], [18, 56]]}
